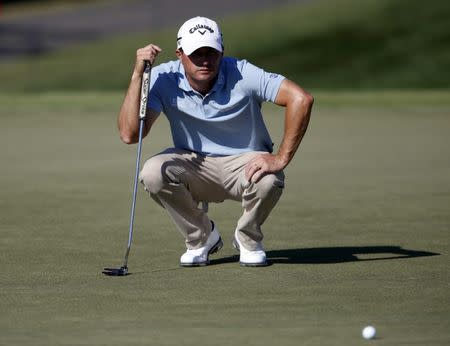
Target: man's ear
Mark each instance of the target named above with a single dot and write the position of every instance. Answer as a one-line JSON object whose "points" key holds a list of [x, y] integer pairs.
{"points": [[179, 53]]}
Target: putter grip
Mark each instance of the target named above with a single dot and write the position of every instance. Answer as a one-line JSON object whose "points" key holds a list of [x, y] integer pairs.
{"points": [[144, 90]]}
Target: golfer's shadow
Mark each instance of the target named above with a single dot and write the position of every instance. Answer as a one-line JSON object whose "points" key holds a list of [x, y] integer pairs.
{"points": [[326, 255]]}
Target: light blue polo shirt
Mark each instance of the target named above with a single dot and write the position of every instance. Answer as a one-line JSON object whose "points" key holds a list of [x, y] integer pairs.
{"points": [[228, 120]]}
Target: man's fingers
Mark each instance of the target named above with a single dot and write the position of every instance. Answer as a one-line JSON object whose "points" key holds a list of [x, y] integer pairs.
{"points": [[147, 53], [250, 169], [257, 173], [155, 47], [260, 166], [255, 170], [150, 49], [257, 176]]}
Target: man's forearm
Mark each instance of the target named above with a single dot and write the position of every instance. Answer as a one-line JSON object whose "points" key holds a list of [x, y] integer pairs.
{"points": [[297, 115], [128, 121]]}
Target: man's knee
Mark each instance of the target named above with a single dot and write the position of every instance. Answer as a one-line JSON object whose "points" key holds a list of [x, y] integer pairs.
{"points": [[270, 185], [152, 175]]}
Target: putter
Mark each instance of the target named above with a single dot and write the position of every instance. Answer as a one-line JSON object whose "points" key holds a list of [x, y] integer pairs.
{"points": [[122, 271]]}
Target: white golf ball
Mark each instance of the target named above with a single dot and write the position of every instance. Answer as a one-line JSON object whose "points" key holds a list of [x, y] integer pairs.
{"points": [[369, 332]]}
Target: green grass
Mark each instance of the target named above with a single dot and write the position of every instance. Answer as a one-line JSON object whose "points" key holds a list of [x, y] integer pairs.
{"points": [[369, 185], [324, 44], [358, 44]]}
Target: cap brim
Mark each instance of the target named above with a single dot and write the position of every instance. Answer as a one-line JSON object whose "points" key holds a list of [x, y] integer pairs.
{"points": [[188, 49]]}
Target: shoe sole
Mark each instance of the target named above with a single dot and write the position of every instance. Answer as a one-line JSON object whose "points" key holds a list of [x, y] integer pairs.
{"points": [[215, 248], [262, 264], [243, 264]]}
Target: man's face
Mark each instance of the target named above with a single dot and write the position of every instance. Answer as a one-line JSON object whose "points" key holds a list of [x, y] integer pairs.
{"points": [[202, 66]]}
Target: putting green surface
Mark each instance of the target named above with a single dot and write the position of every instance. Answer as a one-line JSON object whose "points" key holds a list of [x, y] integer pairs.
{"points": [[360, 236]]}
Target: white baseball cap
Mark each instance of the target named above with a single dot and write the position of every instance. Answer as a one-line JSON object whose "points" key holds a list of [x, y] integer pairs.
{"points": [[199, 32]]}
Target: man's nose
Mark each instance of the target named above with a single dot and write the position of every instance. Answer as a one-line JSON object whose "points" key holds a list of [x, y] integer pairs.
{"points": [[205, 60]]}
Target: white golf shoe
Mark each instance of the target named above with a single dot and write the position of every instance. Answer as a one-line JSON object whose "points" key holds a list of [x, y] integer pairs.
{"points": [[250, 258], [200, 257]]}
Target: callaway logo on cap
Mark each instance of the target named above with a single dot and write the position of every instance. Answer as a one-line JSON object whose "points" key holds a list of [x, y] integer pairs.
{"points": [[199, 32]]}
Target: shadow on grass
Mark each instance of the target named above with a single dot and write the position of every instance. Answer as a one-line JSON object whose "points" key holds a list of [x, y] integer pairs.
{"points": [[324, 255], [334, 255], [343, 254]]}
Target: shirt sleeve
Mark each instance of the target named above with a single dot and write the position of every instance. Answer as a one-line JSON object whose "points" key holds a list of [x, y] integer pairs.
{"points": [[264, 85], [154, 100]]}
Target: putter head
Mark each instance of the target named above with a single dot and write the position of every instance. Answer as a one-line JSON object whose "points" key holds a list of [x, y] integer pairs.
{"points": [[122, 271]]}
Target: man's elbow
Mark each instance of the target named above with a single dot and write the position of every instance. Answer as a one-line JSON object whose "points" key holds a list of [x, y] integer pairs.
{"points": [[310, 100], [302, 101], [306, 99], [127, 139]]}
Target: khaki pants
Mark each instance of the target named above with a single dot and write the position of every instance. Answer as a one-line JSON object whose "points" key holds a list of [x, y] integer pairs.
{"points": [[178, 180]]}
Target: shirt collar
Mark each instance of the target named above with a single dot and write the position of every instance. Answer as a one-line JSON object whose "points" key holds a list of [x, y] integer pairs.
{"points": [[182, 80]]}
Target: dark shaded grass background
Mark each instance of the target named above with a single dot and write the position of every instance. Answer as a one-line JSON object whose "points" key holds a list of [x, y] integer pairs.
{"points": [[322, 44], [360, 235], [364, 44]]}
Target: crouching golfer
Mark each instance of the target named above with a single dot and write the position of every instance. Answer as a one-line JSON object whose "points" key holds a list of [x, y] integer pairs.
{"points": [[222, 149]]}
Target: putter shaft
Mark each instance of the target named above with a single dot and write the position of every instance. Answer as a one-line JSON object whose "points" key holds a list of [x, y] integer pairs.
{"points": [[142, 113]]}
